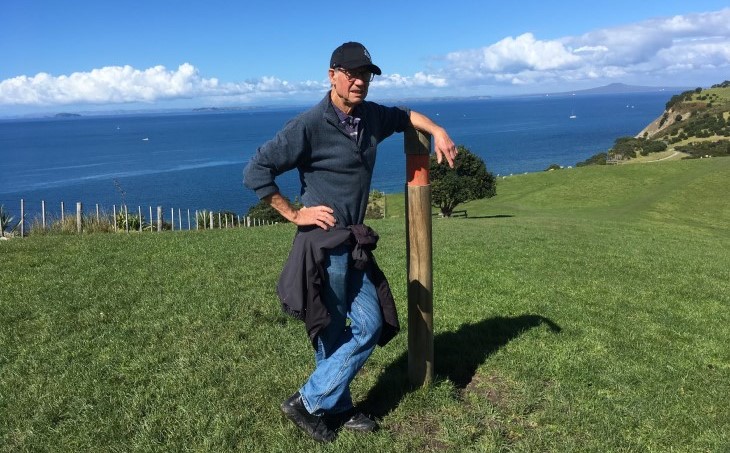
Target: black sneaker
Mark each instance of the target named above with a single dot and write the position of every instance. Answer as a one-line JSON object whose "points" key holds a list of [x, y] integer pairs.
{"points": [[293, 408], [355, 420]]}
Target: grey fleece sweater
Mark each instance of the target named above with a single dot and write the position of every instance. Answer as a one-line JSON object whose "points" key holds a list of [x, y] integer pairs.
{"points": [[334, 170]]}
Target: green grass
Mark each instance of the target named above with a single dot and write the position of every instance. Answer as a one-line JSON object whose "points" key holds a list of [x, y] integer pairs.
{"points": [[579, 310]]}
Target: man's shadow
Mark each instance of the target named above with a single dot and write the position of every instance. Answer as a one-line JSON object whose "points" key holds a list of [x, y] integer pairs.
{"points": [[457, 355]]}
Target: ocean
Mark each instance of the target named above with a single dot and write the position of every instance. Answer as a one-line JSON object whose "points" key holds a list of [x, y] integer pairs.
{"points": [[194, 160]]}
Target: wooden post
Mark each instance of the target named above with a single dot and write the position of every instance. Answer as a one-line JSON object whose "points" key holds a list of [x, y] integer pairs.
{"points": [[159, 219], [172, 219], [139, 213], [97, 214], [419, 257], [211, 220], [188, 219], [114, 217], [43, 214], [179, 219], [79, 211], [126, 219], [151, 218], [63, 214]]}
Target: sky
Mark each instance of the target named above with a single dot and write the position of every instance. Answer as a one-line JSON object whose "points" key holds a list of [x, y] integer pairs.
{"points": [[81, 55]]}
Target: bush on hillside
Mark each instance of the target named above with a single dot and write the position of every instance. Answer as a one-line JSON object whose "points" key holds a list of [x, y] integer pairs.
{"points": [[677, 98], [596, 159], [718, 148], [626, 148]]}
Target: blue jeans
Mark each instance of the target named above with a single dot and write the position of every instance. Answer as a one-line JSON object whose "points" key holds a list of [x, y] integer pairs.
{"points": [[342, 348]]}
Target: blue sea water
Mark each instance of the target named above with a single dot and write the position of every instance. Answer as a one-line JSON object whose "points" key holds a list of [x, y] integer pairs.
{"points": [[195, 160]]}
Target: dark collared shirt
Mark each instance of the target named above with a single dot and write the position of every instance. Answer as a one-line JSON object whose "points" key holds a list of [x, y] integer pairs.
{"points": [[351, 123]]}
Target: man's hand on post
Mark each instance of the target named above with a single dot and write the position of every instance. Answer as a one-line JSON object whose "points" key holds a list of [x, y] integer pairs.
{"points": [[444, 147]]}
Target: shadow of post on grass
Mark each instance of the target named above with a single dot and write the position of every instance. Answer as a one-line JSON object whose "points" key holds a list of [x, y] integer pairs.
{"points": [[457, 355]]}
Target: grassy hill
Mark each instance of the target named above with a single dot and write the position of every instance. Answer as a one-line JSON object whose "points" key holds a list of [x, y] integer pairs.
{"points": [[695, 124], [578, 310]]}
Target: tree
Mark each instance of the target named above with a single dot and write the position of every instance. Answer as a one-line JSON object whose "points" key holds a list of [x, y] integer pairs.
{"points": [[468, 180]]}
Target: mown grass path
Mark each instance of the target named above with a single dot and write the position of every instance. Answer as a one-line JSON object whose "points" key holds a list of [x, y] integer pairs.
{"points": [[579, 310]]}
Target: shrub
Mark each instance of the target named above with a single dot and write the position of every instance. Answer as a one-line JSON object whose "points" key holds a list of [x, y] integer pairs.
{"points": [[596, 159], [376, 205], [129, 221], [5, 220]]}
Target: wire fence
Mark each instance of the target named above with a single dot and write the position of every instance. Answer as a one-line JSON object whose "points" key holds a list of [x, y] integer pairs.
{"points": [[80, 219]]}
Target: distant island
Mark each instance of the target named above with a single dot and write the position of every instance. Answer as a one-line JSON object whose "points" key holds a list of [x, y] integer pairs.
{"points": [[618, 88], [436, 99], [218, 109], [613, 88]]}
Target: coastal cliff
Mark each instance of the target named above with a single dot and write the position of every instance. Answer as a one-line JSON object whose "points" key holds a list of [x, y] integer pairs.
{"points": [[695, 124]]}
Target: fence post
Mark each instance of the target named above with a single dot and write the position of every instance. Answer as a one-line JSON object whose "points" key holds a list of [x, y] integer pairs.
{"points": [[97, 214], [139, 213], [159, 219], [114, 217], [22, 217], [179, 219], [63, 214], [126, 219], [79, 211], [172, 219], [43, 214], [419, 257], [211, 220], [151, 219]]}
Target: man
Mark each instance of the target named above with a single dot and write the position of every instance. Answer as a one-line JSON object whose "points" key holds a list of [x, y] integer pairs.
{"points": [[333, 148]]}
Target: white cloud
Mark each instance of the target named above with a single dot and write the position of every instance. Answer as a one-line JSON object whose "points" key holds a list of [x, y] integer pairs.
{"points": [[123, 84], [646, 49], [418, 80], [662, 50], [513, 55]]}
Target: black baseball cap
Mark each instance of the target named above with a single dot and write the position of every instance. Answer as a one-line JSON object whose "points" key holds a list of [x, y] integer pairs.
{"points": [[353, 55]]}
